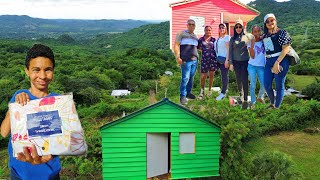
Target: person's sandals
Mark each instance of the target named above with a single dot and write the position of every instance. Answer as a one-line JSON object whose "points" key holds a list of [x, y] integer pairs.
{"points": [[261, 100], [200, 97], [252, 106], [271, 106]]}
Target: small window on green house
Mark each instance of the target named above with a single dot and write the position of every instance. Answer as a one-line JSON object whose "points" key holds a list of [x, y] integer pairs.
{"points": [[187, 143]]}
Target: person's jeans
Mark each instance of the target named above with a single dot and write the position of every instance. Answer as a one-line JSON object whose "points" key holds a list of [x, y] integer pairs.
{"points": [[255, 71], [224, 78], [241, 70], [279, 78], [188, 70]]}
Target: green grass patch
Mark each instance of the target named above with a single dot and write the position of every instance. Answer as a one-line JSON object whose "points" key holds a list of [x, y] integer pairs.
{"points": [[4, 157], [303, 148], [312, 50], [300, 82]]}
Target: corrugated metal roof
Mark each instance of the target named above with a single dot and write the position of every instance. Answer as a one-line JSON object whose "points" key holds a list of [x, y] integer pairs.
{"points": [[163, 101], [120, 92]]}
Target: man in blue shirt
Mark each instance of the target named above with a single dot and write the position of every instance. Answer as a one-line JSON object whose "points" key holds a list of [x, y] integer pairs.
{"points": [[185, 50]]}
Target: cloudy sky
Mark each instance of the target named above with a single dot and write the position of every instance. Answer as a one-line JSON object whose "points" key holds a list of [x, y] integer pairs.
{"points": [[90, 9]]}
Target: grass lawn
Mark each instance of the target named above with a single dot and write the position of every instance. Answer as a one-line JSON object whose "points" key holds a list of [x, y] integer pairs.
{"points": [[302, 147], [4, 170], [312, 50], [301, 81]]}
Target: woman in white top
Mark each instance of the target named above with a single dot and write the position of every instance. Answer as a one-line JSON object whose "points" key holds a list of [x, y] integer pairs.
{"points": [[256, 65], [222, 49]]}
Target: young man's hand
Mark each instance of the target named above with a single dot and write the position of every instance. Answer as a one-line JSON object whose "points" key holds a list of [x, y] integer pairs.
{"points": [[22, 98], [30, 155]]}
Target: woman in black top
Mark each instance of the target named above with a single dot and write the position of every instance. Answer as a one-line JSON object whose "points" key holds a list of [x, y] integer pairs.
{"points": [[238, 60], [276, 42]]}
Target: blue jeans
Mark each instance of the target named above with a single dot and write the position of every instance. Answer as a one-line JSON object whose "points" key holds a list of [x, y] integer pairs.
{"points": [[188, 70], [255, 71], [279, 78]]}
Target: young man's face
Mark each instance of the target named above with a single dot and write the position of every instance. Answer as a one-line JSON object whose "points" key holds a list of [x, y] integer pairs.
{"points": [[40, 73]]}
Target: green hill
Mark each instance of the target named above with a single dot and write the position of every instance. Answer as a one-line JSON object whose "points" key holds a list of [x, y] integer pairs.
{"points": [[153, 36], [25, 27], [294, 15]]}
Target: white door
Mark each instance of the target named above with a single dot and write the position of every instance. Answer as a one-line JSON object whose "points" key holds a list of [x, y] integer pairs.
{"points": [[157, 154]]}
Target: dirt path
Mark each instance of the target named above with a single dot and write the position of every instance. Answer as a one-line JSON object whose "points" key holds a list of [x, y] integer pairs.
{"points": [[152, 97]]}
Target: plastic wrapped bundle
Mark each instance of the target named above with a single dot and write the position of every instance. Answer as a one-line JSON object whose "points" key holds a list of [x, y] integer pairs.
{"points": [[51, 124]]}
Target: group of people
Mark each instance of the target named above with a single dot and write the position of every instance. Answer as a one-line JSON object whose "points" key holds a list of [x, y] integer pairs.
{"points": [[261, 55]]}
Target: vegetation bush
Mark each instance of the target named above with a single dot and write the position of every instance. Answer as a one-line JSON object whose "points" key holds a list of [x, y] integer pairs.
{"points": [[17, 48], [313, 90], [65, 39], [306, 68], [273, 165], [239, 127]]}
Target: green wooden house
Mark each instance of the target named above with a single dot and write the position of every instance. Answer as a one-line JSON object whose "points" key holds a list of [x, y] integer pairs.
{"points": [[164, 138]]}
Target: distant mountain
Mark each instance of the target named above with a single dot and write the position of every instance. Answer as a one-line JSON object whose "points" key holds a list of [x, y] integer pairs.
{"points": [[290, 13], [153, 36], [25, 27]]}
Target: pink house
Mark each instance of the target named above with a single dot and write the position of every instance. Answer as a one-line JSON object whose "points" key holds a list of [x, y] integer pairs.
{"points": [[208, 12]]}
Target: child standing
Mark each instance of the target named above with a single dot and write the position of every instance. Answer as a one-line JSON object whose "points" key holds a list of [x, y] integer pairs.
{"points": [[256, 65], [39, 67]]}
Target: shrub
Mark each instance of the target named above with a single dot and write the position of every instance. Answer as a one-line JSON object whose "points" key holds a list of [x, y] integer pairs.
{"points": [[313, 90], [89, 96], [238, 127], [273, 165], [65, 39], [17, 48]]}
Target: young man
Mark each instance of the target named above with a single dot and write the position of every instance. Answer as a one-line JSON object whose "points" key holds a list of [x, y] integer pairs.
{"points": [[185, 50], [39, 67]]}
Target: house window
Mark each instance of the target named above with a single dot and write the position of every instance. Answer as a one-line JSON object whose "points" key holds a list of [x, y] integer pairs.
{"points": [[200, 22], [187, 143]]}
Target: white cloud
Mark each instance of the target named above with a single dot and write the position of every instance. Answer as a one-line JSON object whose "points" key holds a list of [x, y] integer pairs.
{"points": [[90, 9]]}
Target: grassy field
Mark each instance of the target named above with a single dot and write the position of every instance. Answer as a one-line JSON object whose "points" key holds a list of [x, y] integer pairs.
{"points": [[4, 171], [300, 82], [312, 50], [303, 148]]}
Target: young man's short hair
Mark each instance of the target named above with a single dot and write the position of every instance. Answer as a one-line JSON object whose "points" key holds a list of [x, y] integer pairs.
{"points": [[39, 50]]}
